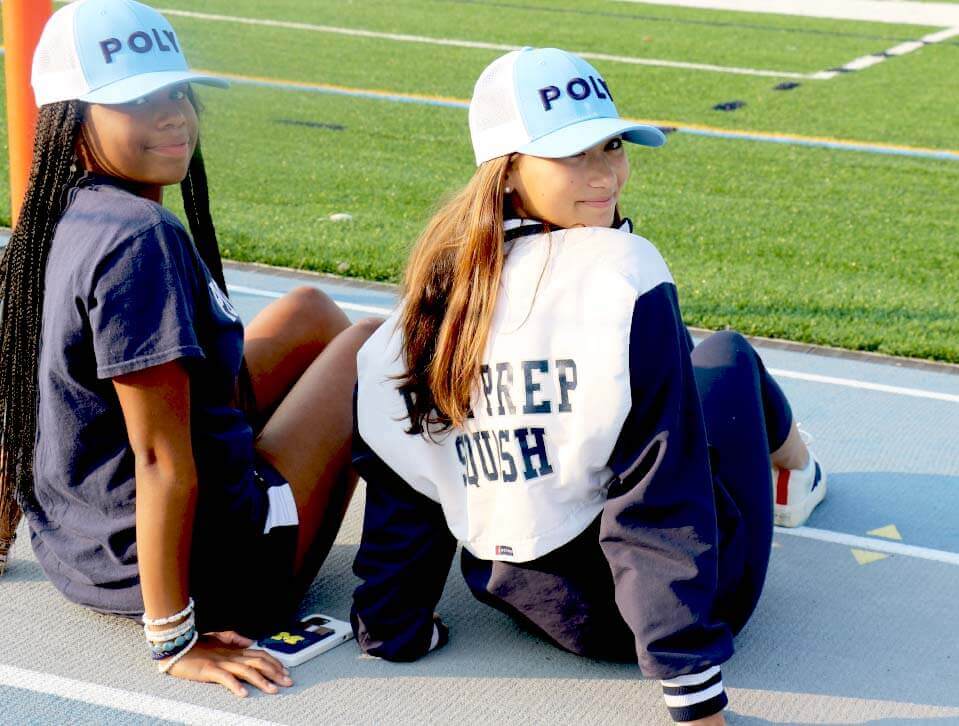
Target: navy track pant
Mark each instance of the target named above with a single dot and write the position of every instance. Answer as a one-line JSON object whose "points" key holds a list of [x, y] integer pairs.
{"points": [[747, 416]]}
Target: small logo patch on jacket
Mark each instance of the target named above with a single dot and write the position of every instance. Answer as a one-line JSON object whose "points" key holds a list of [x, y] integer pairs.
{"points": [[504, 551]]}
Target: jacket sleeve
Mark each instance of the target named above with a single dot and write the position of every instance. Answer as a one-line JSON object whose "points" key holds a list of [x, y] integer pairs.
{"points": [[658, 529], [403, 560]]}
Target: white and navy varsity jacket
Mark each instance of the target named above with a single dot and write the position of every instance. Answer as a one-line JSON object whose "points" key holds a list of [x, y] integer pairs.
{"points": [[586, 430]]}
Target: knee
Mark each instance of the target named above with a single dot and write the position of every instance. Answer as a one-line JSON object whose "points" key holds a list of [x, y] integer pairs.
{"points": [[725, 348], [729, 340], [308, 299], [367, 326], [313, 310]]}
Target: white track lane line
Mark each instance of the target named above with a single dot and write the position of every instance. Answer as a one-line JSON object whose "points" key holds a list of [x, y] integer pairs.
{"points": [[780, 372], [130, 701], [404, 38], [866, 385], [875, 545], [372, 309]]}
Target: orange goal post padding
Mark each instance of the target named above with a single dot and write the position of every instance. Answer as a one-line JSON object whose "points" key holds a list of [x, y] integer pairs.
{"points": [[23, 22]]}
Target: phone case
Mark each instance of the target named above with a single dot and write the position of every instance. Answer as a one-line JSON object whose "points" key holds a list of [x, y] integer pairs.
{"points": [[313, 635]]}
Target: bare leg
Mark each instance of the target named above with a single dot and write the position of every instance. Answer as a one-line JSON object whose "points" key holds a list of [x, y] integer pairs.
{"points": [[284, 339], [308, 440], [793, 454]]}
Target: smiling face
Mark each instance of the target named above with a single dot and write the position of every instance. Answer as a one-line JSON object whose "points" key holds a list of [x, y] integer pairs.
{"points": [[580, 190], [149, 141]]}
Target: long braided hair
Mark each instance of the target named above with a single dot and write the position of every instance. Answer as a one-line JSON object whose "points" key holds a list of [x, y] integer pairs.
{"points": [[53, 174]]}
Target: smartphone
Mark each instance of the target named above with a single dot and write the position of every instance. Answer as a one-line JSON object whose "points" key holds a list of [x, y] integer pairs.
{"points": [[311, 636]]}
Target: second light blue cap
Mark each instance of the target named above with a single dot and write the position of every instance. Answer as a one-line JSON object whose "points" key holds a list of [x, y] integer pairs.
{"points": [[109, 52], [546, 102]]}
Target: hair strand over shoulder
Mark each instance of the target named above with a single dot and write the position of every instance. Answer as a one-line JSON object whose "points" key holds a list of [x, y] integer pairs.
{"points": [[450, 290]]}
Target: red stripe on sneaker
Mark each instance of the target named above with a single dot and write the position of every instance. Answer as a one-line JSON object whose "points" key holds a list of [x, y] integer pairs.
{"points": [[782, 487]]}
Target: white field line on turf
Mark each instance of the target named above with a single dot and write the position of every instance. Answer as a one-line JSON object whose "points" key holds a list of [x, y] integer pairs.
{"points": [[899, 12], [875, 545], [902, 49], [789, 8], [769, 138], [942, 35], [140, 703], [780, 372], [403, 38]]}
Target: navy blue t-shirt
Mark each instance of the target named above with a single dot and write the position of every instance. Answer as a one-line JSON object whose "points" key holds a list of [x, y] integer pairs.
{"points": [[126, 290]]}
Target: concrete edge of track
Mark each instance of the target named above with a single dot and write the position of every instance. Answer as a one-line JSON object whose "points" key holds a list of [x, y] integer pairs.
{"points": [[773, 343]]}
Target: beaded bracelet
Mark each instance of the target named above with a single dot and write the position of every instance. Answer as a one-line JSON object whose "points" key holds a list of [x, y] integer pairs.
{"points": [[171, 648], [172, 619], [158, 636], [167, 663], [170, 644]]}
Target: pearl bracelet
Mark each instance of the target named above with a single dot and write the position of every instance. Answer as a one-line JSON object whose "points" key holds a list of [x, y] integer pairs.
{"points": [[158, 636], [172, 619]]}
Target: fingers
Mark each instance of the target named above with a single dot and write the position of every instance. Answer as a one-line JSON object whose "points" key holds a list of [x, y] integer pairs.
{"points": [[214, 674], [249, 674], [230, 666], [268, 666]]}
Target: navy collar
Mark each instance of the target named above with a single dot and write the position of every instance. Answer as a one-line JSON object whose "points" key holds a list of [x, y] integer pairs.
{"points": [[516, 228], [96, 179]]}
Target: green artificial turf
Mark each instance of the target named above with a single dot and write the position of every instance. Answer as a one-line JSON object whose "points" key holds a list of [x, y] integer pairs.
{"points": [[837, 247], [750, 40], [846, 249], [906, 100]]}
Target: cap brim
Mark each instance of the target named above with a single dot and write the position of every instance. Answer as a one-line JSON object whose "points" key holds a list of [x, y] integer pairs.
{"points": [[582, 135], [143, 84]]}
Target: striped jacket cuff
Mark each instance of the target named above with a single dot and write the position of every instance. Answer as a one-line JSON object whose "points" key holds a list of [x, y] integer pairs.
{"points": [[694, 696]]}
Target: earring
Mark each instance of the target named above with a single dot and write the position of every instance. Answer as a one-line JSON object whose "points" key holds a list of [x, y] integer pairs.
{"points": [[508, 190]]}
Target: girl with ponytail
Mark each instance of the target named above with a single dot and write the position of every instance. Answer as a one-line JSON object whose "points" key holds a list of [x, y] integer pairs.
{"points": [[536, 398], [165, 460]]}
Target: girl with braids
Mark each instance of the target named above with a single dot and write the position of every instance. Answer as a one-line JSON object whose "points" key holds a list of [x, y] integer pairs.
{"points": [[167, 466], [537, 398]]}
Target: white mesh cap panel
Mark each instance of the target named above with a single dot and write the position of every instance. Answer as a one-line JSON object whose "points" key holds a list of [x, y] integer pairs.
{"points": [[56, 72], [494, 85], [496, 125]]}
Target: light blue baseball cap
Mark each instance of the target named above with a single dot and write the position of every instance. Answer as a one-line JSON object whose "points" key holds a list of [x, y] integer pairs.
{"points": [[546, 102], [109, 52]]}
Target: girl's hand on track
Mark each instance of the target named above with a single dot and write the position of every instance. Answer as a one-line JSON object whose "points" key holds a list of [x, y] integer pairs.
{"points": [[224, 658]]}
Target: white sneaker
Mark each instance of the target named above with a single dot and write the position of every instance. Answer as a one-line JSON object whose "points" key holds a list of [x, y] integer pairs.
{"points": [[796, 492]]}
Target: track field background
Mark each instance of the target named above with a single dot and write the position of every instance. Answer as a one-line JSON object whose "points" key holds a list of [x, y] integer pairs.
{"points": [[849, 241]]}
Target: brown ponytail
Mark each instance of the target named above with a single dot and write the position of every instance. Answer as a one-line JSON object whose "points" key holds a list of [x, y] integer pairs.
{"points": [[450, 290]]}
